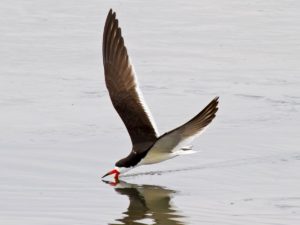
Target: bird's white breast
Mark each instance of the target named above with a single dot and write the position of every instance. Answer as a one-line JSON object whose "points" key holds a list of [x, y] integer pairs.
{"points": [[156, 156]]}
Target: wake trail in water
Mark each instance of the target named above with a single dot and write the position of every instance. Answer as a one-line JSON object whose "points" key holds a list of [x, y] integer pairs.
{"points": [[223, 164]]}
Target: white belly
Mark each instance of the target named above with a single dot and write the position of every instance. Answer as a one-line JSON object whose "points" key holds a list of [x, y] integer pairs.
{"points": [[156, 157]]}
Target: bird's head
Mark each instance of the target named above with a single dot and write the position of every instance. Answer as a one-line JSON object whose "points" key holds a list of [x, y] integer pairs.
{"points": [[116, 172]]}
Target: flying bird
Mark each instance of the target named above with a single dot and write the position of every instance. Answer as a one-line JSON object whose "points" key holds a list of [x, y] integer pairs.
{"points": [[148, 146]]}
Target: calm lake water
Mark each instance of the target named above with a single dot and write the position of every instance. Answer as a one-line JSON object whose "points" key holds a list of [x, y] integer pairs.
{"points": [[59, 132]]}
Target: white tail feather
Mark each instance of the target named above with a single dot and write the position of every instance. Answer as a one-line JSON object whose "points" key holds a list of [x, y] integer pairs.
{"points": [[185, 152]]}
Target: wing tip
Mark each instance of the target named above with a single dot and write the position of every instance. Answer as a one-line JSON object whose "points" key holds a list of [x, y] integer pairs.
{"points": [[111, 16], [208, 113], [214, 103], [216, 99], [111, 12]]}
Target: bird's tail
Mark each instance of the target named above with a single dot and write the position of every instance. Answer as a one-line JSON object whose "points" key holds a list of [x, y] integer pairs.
{"points": [[186, 150]]}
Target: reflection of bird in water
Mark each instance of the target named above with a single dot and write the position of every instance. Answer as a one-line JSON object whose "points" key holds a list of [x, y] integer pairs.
{"points": [[149, 204]]}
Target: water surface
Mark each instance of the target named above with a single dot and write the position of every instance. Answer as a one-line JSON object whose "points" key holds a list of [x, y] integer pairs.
{"points": [[59, 132]]}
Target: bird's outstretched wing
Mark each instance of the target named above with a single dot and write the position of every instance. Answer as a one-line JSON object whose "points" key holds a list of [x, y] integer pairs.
{"points": [[122, 85], [178, 138]]}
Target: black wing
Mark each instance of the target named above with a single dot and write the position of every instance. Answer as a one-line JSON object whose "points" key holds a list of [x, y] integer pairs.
{"points": [[122, 86]]}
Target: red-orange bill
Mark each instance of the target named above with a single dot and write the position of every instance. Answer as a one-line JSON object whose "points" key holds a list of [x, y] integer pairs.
{"points": [[110, 172]]}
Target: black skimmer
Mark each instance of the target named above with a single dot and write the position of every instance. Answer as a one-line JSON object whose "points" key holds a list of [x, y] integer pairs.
{"points": [[147, 146], [148, 202]]}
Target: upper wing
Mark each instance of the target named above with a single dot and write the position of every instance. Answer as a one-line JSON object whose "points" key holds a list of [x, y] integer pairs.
{"points": [[184, 134], [122, 85]]}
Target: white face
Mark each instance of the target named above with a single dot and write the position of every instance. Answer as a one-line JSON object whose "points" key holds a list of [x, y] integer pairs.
{"points": [[122, 170]]}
